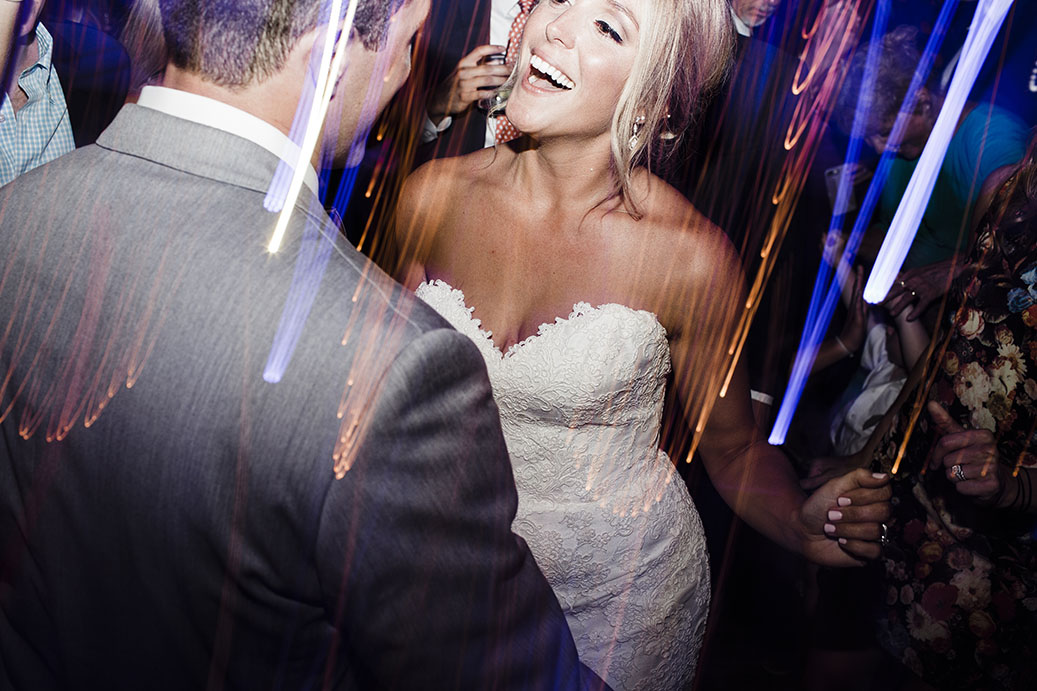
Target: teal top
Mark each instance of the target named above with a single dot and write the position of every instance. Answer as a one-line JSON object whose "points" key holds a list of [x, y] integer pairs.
{"points": [[988, 138]]}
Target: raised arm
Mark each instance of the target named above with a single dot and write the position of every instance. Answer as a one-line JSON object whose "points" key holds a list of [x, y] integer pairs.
{"points": [[755, 478]]}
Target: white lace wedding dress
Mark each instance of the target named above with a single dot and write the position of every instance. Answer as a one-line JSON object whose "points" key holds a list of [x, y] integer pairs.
{"points": [[603, 510]]}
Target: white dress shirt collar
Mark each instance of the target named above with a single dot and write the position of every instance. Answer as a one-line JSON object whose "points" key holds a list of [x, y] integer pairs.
{"points": [[741, 27], [216, 114]]}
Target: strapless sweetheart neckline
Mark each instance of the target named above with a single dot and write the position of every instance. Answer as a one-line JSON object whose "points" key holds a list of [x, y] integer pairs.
{"points": [[580, 309], [601, 507]]}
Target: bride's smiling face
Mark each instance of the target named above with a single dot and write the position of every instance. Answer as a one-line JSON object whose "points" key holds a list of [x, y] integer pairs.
{"points": [[575, 59]]}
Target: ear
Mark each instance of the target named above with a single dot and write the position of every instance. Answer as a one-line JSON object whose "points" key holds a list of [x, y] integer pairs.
{"points": [[309, 50]]}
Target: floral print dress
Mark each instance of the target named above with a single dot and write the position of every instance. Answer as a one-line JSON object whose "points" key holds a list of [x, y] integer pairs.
{"points": [[961, 579]]}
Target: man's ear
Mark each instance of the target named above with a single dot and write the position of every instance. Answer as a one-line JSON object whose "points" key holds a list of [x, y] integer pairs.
{"points": [[309, 48]]}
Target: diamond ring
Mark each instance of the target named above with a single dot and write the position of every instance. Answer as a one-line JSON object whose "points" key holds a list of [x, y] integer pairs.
{"points": [[959, 472]]}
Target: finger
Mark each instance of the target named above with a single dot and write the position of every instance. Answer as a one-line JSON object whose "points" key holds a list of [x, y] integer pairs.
{"points": [[861, 549], [484, 83], [854, 531], [984, 487], [864, 496], [479, 53], [970, 448], [919, 309], [501, 72], [898, 304], [877, 512], [895, 291], [963, 448], [942, 420], [869, 480]]}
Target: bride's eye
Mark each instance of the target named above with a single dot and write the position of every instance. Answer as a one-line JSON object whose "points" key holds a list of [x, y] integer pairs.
{"points": [[607, 30]]}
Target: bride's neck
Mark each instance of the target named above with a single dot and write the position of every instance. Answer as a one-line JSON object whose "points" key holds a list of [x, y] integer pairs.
{"points": [[567, 173]]}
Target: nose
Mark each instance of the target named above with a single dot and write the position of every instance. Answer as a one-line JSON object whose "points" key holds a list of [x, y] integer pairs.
{"points": [[560, 28]]}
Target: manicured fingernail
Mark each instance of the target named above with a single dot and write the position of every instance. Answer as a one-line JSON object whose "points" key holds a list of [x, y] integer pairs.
{"points": [[829, 528], [843, 501], [842, 541], [835, 515], [879, 476]]}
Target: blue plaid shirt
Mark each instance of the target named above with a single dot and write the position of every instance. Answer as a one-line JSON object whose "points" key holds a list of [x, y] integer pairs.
{"points": [[40, 131]]}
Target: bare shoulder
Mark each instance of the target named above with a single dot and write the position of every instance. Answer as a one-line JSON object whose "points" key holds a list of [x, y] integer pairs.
{"points": [[441, 181], [431, 203], [695, 268], [685, 234]]}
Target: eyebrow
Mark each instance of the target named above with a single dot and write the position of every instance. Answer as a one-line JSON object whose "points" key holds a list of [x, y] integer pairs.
{"points": [[620, 7]]}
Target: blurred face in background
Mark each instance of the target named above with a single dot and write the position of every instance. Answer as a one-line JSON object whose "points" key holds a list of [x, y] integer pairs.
{"points": [[754, 12]]}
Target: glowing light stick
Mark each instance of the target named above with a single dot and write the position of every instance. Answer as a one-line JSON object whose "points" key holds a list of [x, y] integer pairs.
{"points": [[807, 351], [990, 14], [332, 58], [821, 309]]}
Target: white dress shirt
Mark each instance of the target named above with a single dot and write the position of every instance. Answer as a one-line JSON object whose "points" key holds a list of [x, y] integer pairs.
{"points": [[221, 116]]}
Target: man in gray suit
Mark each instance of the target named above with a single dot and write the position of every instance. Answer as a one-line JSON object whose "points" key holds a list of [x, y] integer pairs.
{"points": [[219, 469]]}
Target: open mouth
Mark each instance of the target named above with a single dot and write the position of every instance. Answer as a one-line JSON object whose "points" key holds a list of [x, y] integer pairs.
{"points": [[544, 75]]}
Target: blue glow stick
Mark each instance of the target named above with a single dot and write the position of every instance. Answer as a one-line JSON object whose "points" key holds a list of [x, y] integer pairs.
{"points": [[990, 14], [821, 308]]}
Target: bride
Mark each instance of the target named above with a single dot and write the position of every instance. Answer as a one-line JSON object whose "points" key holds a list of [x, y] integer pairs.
{"points": [[588, 284]]}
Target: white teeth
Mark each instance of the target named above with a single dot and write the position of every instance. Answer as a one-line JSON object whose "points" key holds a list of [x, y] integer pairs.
{"points": [[556, 75]]}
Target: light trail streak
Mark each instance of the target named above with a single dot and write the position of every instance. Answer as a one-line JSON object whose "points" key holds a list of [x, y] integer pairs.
{"points": [[833, 33], [318, 242], [331, 61], [826, 295], [118, 318], [986, 22]]}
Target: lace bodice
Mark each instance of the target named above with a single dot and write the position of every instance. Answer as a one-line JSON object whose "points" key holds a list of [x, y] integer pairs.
{"points": [[602, 508]]}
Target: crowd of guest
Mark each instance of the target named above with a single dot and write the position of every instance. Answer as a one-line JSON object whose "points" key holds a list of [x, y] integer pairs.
{"points": [[911, 459]]}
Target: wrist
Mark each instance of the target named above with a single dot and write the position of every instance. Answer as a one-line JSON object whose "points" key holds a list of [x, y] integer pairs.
{"points": [[1019, 495], [798, 537], [844, 347]]}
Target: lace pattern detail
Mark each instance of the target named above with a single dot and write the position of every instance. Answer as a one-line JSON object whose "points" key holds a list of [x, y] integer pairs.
{"points": [[604, 512]]}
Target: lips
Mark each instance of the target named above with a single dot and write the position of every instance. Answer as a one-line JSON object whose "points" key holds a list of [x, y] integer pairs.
{"points": [[544, 75]]}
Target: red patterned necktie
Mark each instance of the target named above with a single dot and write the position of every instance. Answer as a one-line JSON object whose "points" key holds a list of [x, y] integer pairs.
{"points": [[504, 130]]}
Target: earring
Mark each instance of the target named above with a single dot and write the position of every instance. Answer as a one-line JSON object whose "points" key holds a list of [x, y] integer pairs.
{"points": [[666, 133], [639, 122]]}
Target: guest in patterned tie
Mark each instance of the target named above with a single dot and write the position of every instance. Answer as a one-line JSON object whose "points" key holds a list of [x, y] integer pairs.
{"points": [[34, 123], [477, 75]]}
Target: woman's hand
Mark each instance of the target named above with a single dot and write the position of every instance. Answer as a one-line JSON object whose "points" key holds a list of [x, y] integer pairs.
{"points": [[843, 519], [827, 468], [968, 457], [855, 329], [920, 287]]}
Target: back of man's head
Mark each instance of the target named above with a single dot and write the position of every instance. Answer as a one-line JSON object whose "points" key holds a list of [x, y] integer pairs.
{"points": [[234, 43]]}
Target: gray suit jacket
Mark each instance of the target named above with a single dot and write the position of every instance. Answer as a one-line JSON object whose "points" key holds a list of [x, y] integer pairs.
{"points": [[168, 519]]}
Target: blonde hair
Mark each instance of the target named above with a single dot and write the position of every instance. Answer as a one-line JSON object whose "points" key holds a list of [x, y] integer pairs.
{"points": [[684, 47]]}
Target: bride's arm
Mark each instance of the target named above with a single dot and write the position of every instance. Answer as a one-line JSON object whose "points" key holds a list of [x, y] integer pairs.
{"points": [[755, 478]]}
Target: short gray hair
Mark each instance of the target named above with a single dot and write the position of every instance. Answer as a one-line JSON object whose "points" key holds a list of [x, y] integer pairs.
{"points": [[234, 43]]}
